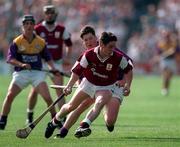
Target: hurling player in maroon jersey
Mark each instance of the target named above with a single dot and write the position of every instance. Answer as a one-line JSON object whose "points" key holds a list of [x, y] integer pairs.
{"points": [[93, 56], [89, 40], [56, 36]]}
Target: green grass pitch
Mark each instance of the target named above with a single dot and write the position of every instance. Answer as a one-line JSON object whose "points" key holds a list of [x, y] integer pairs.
{"points": [[146, 119]]}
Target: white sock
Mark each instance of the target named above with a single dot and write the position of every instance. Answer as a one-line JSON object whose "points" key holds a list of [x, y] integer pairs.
{"points": [[29, 110], [87, 121], [56, 119]]}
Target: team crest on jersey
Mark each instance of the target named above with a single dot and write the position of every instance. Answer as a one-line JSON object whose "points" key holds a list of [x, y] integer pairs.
{"points": [[37, 46], [109, 67], [22, 48], [57, 34], [43, 35]]}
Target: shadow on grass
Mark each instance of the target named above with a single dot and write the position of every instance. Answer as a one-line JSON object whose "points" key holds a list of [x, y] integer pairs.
{"points": [[140, 138], [161, 139], [127, 126], [136, 139]]}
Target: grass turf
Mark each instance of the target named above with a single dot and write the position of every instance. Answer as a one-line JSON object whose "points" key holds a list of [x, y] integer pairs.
{"points": [[146, 119]]}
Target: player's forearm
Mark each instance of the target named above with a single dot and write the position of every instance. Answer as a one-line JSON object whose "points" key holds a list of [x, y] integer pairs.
{"points": [[19, 64], [51, 64], [15, 62], [69, 52], [68, 89], [128, 78], [74, 77]]}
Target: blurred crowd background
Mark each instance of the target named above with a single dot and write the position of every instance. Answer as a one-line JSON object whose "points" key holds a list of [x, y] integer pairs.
{"points": [[137, 23]]}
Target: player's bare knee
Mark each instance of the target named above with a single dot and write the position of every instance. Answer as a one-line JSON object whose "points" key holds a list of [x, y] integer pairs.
{"points": [[101, 101], [99, 104], [70, 107]]}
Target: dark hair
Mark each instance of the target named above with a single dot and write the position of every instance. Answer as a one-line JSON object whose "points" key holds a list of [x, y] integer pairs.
{"points": [[107, 37], [28, 17], [87, 29]]}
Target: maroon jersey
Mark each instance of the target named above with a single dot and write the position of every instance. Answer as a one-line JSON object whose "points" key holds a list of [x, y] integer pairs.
{"points": [[130, 61], [101, 72], [54, 38]]}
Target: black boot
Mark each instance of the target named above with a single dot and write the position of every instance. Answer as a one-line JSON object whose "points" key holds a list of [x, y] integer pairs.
{"points": [[3, 121], [110, 128], [51, 127], [49, 130], [83, 130]]}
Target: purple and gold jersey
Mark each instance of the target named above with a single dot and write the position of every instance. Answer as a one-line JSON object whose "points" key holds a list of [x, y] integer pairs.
{"points": [[30, 53], [167, 49], [101, 72]]}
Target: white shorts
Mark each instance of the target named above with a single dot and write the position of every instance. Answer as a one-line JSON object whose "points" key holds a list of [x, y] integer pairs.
{"points": [[168, 64], [91, 89], [25, 77], [117, 92]]}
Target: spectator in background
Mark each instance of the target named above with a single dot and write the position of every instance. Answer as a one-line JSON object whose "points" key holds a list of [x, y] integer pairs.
{"points": [[56, 36], [25, 54], [103, 15]]}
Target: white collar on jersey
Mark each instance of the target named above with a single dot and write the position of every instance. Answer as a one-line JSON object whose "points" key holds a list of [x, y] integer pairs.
{"points": [[47, 27], [96, 50]]}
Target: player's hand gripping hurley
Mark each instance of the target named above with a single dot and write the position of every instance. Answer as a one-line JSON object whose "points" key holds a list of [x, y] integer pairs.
{"points": [[23, 133]]}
